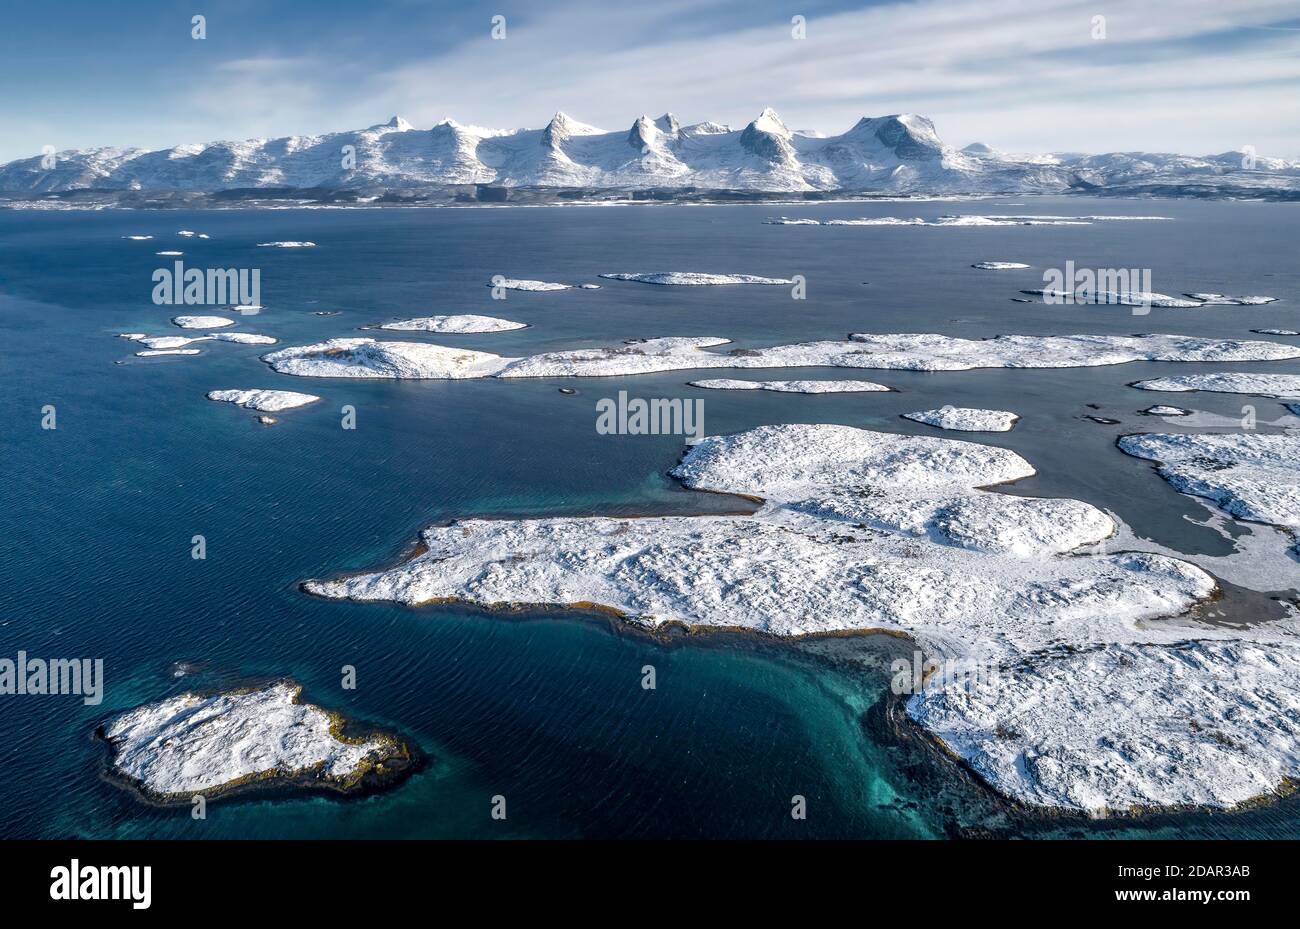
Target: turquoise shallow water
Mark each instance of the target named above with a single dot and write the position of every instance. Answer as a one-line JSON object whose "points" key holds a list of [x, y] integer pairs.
{"points": [[96, 517]]}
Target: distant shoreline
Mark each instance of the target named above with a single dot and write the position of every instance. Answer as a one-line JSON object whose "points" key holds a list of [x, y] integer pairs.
{"points": [[483, 196]]}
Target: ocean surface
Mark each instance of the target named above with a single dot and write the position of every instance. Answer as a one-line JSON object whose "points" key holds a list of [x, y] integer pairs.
{"points": [[543, 708]]}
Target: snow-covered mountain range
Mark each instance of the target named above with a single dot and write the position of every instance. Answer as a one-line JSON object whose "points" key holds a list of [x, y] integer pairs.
{"points": [[899, 154]]}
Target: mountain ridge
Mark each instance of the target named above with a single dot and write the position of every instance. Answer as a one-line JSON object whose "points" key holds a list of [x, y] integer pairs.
{"points": [[895, 154]]}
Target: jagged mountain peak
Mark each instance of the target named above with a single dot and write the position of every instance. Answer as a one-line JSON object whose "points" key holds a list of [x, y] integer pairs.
{"points": [[768, 121], [909, 136], [643, 133], [396, 124], [769, 139], [562, 124], [899, 153], [668, 123]]}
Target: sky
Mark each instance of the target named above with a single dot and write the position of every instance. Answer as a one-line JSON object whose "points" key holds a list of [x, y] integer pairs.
{"points": [[1192, 76]]}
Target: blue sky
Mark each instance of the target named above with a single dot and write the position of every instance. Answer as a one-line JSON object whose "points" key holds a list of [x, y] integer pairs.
{"points": [[1195, 76]]}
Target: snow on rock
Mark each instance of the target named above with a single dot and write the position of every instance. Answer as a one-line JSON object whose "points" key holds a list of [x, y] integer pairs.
{"points": [[862, 530], [999, 265], [289, 244], [966, 419], [1259, 385], [1224, 300], [692, 278], [903, 351], [151, 352], [1275, 331], [955, 220], [1129, 727], [138, 238], [794, 462], [167, 341], [1248, 476], [243, 338], [634, 357], [201, 322], [1161, 409], [463, 323], [901, 154], [180, 341], [1115, 298], [1086, 701], [511, 283], [264, 401], [960, 219], [792, 387], [371, 358], [190, 744]]}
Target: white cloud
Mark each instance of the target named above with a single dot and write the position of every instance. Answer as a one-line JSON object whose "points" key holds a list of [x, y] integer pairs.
{"points": [[1022, 75], [1016, 73]]}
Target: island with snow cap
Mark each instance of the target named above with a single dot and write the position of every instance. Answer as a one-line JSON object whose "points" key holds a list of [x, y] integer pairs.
{"points": [[863, 531], [217, 744]]}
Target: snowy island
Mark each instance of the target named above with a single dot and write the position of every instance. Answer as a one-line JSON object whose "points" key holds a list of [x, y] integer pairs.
{"points": [[263, 401], [221, 743], [364, 357], [965, 419], [865, 531]]}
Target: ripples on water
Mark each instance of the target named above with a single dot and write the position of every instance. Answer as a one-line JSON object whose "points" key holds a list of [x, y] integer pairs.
{"points": [[545, 709]]}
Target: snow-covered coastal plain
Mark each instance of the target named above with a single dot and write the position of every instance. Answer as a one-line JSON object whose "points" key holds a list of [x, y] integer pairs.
{"points": [[1248, 476], [194, 744], [866, 530]]}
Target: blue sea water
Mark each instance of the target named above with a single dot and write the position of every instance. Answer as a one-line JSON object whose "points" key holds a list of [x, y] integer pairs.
{"points": [[544, 708]]}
